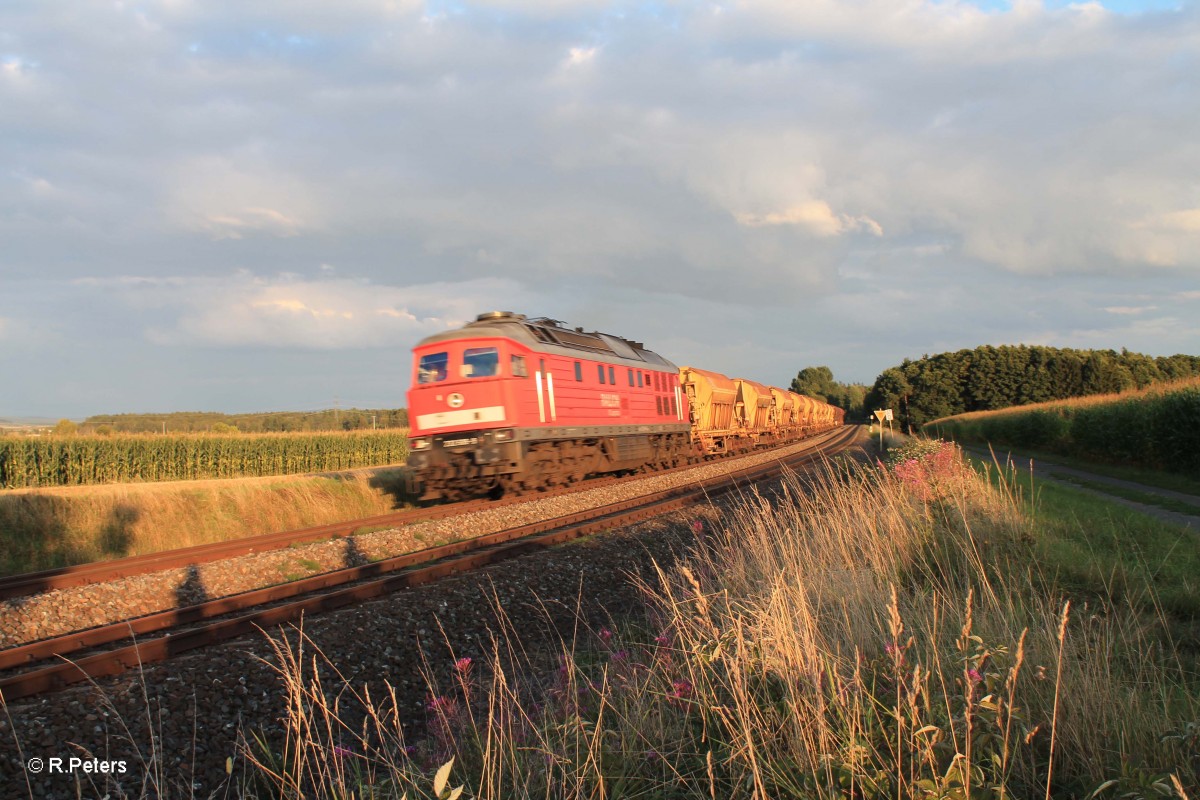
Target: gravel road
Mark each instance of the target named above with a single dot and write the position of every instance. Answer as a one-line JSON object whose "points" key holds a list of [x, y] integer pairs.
{"points": [[1061, 474]]}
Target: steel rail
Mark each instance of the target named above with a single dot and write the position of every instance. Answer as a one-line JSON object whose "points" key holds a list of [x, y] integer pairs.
{"points": [[30, 583], [21, 655], [429, 565]]}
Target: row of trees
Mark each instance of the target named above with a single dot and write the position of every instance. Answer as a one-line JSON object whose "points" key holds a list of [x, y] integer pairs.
{"points": [[989, 377], [352, 419], [818, 382]]}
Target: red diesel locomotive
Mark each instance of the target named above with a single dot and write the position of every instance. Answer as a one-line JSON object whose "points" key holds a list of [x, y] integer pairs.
{"points": [[507, 402], [510, 403]]}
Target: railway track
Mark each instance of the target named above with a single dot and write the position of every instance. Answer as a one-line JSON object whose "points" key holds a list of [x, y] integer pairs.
{"points": [[222, 619], [98, 572], [30, 583]]}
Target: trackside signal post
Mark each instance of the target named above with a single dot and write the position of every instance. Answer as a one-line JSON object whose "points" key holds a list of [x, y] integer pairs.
{"points": [[883, 414]]}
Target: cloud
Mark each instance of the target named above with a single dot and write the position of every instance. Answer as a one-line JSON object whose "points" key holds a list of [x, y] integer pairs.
{"points": [[1188, 220], [230, 200], [289, 312], [815, 215], [240, 222], [742, 160], [578, 56], [1129, 310], [13, 70]]}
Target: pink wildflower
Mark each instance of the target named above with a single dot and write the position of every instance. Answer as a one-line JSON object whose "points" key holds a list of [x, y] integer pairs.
{"points": [[462, 666], [974, 676], [605, 635], [342, 752], [697, 526], [681, 689]]}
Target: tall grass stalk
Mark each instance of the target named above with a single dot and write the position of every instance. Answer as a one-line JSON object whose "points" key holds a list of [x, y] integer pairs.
{"points": [[879, 634]]}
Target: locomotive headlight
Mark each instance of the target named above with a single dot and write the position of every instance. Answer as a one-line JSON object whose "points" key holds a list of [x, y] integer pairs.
{"points": [[503, 436], [420, 443]]}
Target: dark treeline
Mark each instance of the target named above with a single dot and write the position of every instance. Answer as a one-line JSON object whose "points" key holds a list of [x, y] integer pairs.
{"points": [[989, 377], [818, 382], [345, 419]]}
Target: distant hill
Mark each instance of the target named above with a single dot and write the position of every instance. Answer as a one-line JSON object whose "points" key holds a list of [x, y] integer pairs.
{"points": [[27, 422], [331, 419]]}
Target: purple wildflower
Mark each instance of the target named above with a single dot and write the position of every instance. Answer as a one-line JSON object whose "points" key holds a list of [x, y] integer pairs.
{"points": [[439, 704]]}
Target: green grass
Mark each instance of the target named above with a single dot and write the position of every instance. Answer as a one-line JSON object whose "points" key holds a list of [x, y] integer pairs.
{"points": [[1093, 547], [1145, 498], [1148, 477]]}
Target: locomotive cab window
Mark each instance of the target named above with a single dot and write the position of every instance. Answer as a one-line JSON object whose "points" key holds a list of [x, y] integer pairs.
{"points": [[480, 362], [639, 379], [600, 372], [519, 370], [612, 376], [630, 373], [578, 372], [432, 367]]}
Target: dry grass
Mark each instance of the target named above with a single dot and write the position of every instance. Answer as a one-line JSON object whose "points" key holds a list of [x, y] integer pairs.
{"points": [[867, 640], [46, 528]]}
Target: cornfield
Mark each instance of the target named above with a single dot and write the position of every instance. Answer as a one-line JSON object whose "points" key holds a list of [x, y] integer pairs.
{"points": [[1151, 428], [80, 460]]}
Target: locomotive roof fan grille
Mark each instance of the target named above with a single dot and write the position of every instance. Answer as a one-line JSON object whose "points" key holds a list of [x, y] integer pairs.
{"points": [[551, 331], [491, 315]]}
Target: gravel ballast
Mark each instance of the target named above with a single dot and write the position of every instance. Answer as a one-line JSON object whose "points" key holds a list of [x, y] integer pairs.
{"points": [[55, 613], [197, 705]]}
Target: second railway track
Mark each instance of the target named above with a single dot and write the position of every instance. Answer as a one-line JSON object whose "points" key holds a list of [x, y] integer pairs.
{"points": [[229, 617]]}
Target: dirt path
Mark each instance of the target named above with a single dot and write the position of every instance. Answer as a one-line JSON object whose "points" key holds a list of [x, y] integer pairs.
{"points": [[1069, 477]]}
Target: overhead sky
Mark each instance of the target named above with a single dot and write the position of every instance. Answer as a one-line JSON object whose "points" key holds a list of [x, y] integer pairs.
{"points": [[230, 206]]}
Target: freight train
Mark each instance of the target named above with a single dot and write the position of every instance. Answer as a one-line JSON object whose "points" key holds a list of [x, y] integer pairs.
{"points": [[509, 403]]}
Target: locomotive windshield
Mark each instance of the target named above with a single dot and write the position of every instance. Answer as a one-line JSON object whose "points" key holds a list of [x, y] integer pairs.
{"points": [[480, 362], [432, 367]]}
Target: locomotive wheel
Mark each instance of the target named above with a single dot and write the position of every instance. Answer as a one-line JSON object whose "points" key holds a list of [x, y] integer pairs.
{"points": [[540, 467]]}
